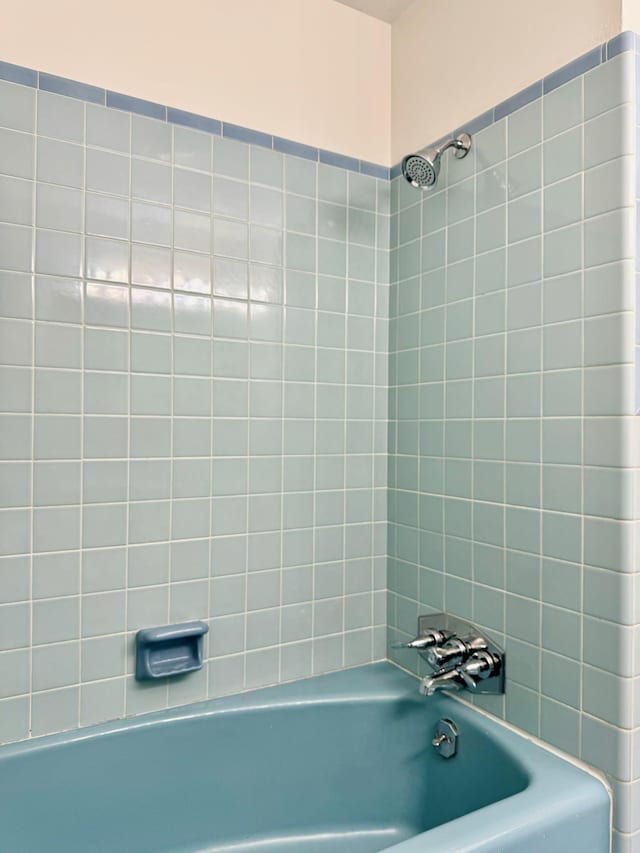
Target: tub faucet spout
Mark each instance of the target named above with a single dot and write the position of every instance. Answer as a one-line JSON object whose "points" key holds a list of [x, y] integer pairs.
{"points": [[449, 680]]}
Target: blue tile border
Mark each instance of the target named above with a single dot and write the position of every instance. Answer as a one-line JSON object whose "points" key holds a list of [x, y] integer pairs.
{"points": [[136, 105], [624, 42], [197, 122], [245, 134], [573, 69], [71, 88], [95, 95], [515, 102], [627, 41], [374, 170], [330, 158], [298, 149], [478, 123], [17, 74]]}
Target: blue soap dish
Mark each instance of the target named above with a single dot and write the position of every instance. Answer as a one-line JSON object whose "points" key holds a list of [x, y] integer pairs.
{"points": [[169, 650]]}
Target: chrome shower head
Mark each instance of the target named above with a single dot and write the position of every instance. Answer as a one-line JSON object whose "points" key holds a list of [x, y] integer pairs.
{"points": [[422, 168]]}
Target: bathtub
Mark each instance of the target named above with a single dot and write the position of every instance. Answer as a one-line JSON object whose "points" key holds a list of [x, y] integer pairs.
{"points": [[342, 762]]}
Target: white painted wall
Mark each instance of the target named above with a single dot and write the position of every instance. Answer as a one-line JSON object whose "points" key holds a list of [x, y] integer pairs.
{"points": [[315, 71], [311, 70], [631, 15], [454, 60]]}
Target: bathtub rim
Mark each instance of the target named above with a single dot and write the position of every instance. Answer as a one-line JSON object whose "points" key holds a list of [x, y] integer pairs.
{"points": [[555, 782], [391, 682]]}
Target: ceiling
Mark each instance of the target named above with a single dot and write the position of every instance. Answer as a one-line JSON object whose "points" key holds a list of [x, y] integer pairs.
{"points": [[386, 10]]}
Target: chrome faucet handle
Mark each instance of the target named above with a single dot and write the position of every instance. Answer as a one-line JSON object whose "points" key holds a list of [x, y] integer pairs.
{"points": [[455, 651], [450, 653], [425, 641], [480, 666]]}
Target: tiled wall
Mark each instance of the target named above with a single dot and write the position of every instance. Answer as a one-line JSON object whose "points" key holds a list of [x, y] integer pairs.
{"points": [[193, 407], [512, 437], [193, 342]]}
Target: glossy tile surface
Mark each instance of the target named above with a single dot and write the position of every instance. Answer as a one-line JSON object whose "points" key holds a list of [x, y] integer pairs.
{"points": [[512, 401], [193, 421]]}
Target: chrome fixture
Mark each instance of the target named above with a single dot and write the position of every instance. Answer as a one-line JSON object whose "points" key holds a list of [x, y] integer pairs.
{"points": [[460, 655], [422, 168], [445, 739], [425, 641]]}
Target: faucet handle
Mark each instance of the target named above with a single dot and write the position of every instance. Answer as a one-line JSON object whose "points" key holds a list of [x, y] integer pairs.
{"points": [[455, 651], [451, 652], [479, 666], [425, 641]]}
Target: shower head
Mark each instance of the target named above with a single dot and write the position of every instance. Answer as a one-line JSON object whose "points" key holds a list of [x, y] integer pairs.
{"points": [[422, 168]]}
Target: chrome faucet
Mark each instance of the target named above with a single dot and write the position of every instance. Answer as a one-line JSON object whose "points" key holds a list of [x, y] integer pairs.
{"points": [[454, 651], [461, 656], [448, 680], [478, 667]]}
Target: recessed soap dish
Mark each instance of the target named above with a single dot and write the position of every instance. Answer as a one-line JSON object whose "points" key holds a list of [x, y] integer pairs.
{"points": [[169, 650]]}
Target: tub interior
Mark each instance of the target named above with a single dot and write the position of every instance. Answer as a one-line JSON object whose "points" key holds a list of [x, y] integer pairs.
{"points": [[356, 776]]}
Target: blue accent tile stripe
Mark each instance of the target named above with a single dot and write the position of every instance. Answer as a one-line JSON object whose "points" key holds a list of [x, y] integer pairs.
{"points": [[287, 146], [210, 125], [17, 74], [245, 134], [374, 170], [340, 160], [573, 69], [620, 44], [96, 95], [520, 99], [476, 124], [136, 105], [627, 41], [71, 88]]}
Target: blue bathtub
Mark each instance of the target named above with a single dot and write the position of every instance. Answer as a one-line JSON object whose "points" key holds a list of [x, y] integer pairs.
{"points": [[342, 762]]}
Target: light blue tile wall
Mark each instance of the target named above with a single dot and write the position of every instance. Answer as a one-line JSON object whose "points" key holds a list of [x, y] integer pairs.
{"points": [[193, 338], [512, 481], [193, 366]]}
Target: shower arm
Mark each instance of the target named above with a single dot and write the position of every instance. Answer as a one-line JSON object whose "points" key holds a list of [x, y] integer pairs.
{"points": [[450, 143], [462, 144]]}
